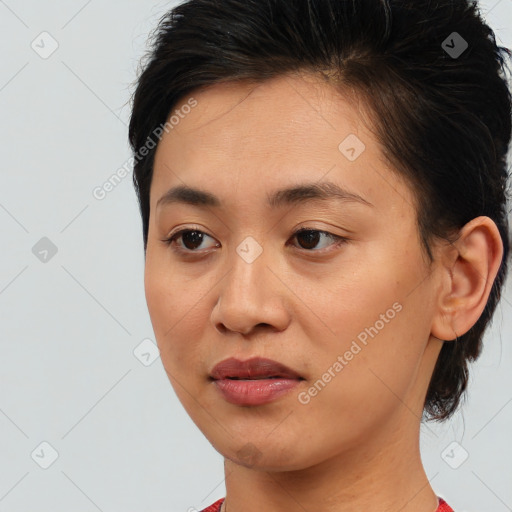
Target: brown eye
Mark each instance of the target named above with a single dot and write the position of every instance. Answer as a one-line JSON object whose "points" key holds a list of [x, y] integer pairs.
{"points": [[191, 240], [309, 238]]}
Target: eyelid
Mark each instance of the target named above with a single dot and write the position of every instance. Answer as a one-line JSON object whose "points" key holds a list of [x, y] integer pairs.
{"points": [[173, 235], [186, 228]]}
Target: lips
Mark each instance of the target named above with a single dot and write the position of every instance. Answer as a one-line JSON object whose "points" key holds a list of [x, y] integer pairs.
{"points": [[254, 382], [252, 369]]}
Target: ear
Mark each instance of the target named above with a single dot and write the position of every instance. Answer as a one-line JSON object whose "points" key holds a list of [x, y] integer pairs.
{"points": [[468, 268]]}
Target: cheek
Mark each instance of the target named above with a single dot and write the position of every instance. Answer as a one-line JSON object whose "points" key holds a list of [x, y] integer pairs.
{"points": [[372, 386], [379, 323], [171, 306], [350, 300], [180, 307], [174, 315]]}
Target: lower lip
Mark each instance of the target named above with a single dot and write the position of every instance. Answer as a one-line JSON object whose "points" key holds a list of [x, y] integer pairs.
{"points": [[254, 392]]}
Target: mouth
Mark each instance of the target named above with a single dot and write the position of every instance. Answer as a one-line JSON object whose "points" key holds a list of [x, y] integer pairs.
{"points": [[256, 381], [257, 378], [256, 368]]}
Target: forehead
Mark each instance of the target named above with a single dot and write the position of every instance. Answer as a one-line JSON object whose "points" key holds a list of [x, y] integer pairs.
{"points": [[243, 136], [286, 111]]}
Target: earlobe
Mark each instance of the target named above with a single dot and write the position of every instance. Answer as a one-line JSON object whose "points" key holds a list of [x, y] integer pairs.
{"points": [[468, 268]]}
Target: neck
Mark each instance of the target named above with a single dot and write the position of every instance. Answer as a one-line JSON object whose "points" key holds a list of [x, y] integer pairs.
{"points": [[385, 476]]}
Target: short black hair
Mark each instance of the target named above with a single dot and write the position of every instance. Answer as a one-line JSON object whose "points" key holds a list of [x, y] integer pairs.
{"points": [[430, 73]]}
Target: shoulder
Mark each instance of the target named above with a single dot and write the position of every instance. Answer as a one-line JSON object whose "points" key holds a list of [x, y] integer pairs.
{"points": [[215, 507], [443, 506]]}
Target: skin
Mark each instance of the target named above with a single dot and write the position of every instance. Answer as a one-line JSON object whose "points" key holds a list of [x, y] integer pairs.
{"points": [[355, 445]]}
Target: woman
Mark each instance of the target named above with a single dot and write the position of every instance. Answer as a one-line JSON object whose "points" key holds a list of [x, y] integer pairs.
{"points": [[322, 186]]}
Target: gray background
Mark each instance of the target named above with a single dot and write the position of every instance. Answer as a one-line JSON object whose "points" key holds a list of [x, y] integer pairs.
{"points": [[69, 325]]}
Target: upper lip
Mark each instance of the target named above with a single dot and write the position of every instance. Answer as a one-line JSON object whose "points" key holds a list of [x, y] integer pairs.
{"points": [[254, 368]]}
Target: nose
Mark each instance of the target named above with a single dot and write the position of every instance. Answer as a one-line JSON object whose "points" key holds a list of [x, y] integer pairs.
{"points": [[252, 296]]}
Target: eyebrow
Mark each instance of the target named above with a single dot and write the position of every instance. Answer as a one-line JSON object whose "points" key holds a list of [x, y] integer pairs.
{"points": [[296, 194]]}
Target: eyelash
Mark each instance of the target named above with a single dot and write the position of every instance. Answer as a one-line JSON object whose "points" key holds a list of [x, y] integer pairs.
{"points": [[338, 240]]}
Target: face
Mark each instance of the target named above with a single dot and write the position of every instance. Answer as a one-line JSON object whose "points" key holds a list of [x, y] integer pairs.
{"points": [[347, 304]]}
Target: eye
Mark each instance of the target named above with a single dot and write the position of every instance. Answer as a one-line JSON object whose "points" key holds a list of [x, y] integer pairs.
{"points": [[310, 238], [191, 238]]}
